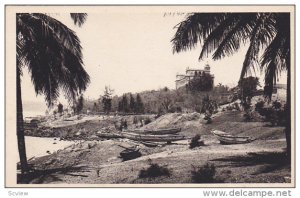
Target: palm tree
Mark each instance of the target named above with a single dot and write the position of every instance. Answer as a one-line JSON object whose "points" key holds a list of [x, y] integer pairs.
{"points": [[222, 34], [52, 53]]}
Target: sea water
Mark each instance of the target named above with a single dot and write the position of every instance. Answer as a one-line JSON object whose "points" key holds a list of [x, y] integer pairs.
{"points": [[38, 146]]}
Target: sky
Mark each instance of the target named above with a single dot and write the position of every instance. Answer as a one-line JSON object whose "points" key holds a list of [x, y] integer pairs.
{"points": [[132, 52]]}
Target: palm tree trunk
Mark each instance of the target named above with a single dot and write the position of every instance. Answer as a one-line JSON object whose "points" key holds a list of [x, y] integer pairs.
{"points": [[288, 123], [20, 128]]}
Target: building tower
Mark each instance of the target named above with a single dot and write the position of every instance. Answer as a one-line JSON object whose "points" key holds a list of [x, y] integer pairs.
{"points": [[207, 68]]}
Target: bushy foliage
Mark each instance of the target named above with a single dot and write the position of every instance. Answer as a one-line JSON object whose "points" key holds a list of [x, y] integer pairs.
{"points": [[123, 105], [78, 105], [123, 125], [220, 88], [95, 107], [139, 106], [60, 108], [133, 106], [161, 101], [259, 106], [201, 82], [247, 89], [208, 108], [196, 141], [106, 99], [275, 113], [204, 174], [154, 170]]}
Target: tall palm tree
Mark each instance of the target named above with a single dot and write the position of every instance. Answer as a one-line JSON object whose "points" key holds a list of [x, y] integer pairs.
{"points": [[52, 53], [222, 34]]}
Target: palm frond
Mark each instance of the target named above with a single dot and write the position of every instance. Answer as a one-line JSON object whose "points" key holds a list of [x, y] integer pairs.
{"points": [[253, 50], [216, 37], [52, 53], [195, 28], [272, 62], [79, 18], [237, 34]]}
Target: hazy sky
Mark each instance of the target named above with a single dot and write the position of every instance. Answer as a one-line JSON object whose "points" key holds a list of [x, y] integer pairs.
{"points": [[132, 52]]}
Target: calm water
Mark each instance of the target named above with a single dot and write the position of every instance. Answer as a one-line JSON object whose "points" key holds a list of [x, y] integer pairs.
{"points": [[38, 146], [33, 108]]}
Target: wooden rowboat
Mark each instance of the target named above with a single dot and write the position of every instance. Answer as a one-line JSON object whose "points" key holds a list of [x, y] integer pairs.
{"points": [[226, 138], [108, 135], [156, 131], [152, 138], [142, 137]]}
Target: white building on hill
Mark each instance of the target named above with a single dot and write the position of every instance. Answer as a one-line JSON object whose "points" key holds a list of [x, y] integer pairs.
{"points": [[183, 79]]}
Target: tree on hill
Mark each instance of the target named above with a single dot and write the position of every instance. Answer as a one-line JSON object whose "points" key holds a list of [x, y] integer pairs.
{"points": [[204, 82], [167, 104], [132, 104], [52, 53], [220, 88], [208, 107], [139, 106], [106, 99], [95, 107], [79, 104], [247, 88], [123, 105]]}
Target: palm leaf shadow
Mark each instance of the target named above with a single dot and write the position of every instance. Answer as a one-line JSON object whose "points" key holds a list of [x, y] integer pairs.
{"points": [[39, 176], [271, 161]]}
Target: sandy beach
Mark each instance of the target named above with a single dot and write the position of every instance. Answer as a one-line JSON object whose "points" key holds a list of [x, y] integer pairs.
{"points": [[96, 161]]}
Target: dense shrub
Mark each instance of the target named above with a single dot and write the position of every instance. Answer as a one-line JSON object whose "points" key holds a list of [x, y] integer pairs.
{"points": [[247, 89], [204, 174], [200, 82], [195, 141], [208, 108], [247, 109], [259, 106], [178, 109], [123, 124], [276, 105], [154, 170], [276, 114]]}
